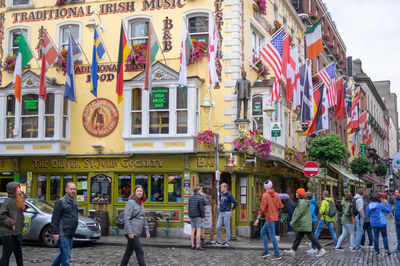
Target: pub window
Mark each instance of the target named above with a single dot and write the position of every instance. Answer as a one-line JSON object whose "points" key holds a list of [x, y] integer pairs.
{"points": [[181, 111], [174, 188], [55, 187], [157, 188], [159, 111], [49, 116], [19, 3], [13, 40], [143, 180], [198, 28], [65, 31], [10, 116], [66, 179], [257, 113], [30, 115], [41, 187], [139, 31], [255, 42], [136, 112], [65, 118], [81, 188], [124, 187]]}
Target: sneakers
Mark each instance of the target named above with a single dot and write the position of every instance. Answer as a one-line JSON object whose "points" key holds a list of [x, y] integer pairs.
{"points": [[311, 251], [321, 253], [200, 248], [291, 252], [217, 244], [278, 238], [352, 249], [265, 254], [225, 245], [338, 248], [388, 252], [276, 257]]}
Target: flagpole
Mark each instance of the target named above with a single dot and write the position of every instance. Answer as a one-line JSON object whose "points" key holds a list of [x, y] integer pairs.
{"points": [[29, 46], [105, 48], [80, 47], [152, 28], [55, 47]]}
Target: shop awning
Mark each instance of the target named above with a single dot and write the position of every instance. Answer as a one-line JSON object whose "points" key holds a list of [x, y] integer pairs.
{"points": [[375, 180], [343, 172]]}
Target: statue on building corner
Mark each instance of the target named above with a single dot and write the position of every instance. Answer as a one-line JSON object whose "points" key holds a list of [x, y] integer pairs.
{"points": [[242, 89]]}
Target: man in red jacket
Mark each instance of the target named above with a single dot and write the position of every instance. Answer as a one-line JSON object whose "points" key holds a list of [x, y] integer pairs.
{"points": [[270, 206]]}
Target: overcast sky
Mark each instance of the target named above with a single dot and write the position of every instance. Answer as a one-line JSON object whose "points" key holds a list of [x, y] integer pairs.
{"points": [[370, 30]]}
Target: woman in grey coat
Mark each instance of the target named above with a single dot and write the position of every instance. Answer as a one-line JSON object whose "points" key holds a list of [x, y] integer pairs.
{"points": [[135, 220]]}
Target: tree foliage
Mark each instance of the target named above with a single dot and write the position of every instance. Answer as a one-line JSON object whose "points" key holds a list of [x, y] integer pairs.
{"points": [[380, 169], [360, 165], [327, 149]]}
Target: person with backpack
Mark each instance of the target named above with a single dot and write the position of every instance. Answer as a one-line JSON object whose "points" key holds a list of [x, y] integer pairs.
{"points": [[328, 217], [357, 211], [347, 223], [376, 211], [367, 224], [314, 214], [302, 224], [197, 216], [135, 221]]}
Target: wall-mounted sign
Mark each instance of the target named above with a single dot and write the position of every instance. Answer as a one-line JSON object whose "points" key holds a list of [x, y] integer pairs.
{"points": [[100, 117], [31, 104], [100, 189], [159, 98], [276, 130]]}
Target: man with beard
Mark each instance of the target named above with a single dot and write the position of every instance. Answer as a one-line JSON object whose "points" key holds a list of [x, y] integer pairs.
{"points": [[12, 224]]}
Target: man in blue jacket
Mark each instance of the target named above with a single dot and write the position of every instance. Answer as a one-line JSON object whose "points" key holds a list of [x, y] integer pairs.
{"points": [[397, 218], [225, 214]]}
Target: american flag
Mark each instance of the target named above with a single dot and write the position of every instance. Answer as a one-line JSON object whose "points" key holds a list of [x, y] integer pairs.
{"points": [[272, 53], [327, 75]]}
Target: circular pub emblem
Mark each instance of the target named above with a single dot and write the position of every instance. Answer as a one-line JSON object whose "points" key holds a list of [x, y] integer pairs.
{"points": [[100, 117]]}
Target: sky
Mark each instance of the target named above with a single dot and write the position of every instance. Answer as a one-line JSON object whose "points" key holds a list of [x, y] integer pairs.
{"points": [[370, 30]]}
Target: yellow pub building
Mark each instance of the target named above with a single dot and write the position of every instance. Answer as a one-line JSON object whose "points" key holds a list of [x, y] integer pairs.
{"points": [[107, 147]]}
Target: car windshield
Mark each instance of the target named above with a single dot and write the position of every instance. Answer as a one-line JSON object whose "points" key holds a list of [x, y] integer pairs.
{"points": [[43, 206]]}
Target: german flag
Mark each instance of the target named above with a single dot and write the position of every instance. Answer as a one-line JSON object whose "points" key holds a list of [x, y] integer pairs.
{"points": [[124, 51]]}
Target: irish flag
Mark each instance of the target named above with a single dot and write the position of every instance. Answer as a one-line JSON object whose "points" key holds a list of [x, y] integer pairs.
{"points": [[24, 55], [186, 45], [314, 40], [152, 51]]}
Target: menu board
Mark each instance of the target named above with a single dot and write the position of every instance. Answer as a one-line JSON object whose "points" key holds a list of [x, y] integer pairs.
{"points": [[100, 189]]}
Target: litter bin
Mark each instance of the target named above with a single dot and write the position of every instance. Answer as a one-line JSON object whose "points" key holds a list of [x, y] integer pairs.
{"points": [[102, 218]]}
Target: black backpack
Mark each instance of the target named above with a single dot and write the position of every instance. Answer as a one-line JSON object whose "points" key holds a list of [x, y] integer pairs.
{"points": [[353, 208], [316, 209], [332, 209], [121, 220]]}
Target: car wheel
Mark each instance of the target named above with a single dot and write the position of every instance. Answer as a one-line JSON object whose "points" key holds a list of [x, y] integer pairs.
{"points": [[47, 237]]}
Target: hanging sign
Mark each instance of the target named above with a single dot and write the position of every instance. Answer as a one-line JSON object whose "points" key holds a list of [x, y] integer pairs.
{"points": [[276, 129]]}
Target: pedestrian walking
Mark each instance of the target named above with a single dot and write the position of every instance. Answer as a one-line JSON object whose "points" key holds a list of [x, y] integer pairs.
{"points": [[64, 223], [314, 214], [227, 204], [197, 216], [135, 221], [367, 224], [357, 210], [290, 206], [302, 224], [397, 219], [12, 224], [328, 217], [347, 223], [270, 206], [376, 211], [392, 202]]}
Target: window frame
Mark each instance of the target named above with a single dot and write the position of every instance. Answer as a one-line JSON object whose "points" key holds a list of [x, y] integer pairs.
{"points": [[9, 33], [194, 15], [11, 5], [65, 24]]}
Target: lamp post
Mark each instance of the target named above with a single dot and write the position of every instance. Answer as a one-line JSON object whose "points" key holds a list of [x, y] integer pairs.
{"points": [[217, 174]]}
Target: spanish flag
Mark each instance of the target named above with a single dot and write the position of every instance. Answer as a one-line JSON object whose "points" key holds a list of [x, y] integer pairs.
{"points": [[124, 51]]}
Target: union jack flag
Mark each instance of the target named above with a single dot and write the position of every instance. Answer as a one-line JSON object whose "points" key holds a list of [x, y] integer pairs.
{"points": [[327, 76], [272, 53]]}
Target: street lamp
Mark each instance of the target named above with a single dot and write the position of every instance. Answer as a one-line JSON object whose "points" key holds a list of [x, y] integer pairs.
{"points": [[92, 22]]}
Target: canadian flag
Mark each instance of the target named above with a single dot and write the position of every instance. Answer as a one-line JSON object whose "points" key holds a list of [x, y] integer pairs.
{"points": [[49, 55]]}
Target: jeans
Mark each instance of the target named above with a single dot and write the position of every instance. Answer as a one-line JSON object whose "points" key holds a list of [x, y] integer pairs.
{"points": [[384, 237], [313, 227], [224, 218], [321, 225], [65, 245], [11, 244], [368, 228], [270, 228], [347, 228], [359, 230], [290, 213], [398, 234], [299, 237], [133, 245]]}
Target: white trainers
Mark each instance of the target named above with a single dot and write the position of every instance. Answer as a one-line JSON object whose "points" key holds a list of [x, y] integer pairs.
{"points": [[311, 251], [321, 253], [278, 238], [290, 252]]}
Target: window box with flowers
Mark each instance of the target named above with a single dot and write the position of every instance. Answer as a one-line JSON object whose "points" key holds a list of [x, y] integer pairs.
{"points": [[136, 60], [9, 64], [296, 156], [260, 67], [261, 6], [277, 25], [197, 52], [252, 142], [61, 62]]}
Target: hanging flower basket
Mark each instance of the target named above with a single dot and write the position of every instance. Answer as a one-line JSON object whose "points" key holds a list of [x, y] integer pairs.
{"points": [[262, 6], [61, 62], [207, 137], [277, 26], [197, 52], [294, 155], [9, 64], [137, 57], [252, 140]]}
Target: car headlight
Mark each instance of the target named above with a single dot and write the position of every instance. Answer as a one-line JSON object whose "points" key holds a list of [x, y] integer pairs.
{"points": [[81, 224]]}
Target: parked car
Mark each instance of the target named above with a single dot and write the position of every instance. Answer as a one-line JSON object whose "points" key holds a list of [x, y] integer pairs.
{"points": [[37, 225]]}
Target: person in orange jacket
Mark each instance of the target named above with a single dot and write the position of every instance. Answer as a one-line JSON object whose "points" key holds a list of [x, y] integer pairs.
{"points": [[270, 205]]}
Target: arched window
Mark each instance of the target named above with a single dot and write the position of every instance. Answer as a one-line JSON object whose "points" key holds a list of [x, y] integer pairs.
{"points": [[198, 27], [138, 31], [12, 39]]}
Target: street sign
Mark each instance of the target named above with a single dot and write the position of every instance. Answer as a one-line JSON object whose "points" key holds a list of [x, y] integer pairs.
{"points": [[276, 129], [310, 169]]}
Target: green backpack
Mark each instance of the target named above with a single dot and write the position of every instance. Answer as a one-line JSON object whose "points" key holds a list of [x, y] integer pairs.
{"points": [[332, 209]]}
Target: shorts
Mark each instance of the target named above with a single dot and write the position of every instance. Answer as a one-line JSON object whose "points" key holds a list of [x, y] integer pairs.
{"points": [[196, 222]]}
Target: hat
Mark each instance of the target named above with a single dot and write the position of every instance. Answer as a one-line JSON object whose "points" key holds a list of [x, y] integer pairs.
{"points": [[301, 191], [268, 184]]}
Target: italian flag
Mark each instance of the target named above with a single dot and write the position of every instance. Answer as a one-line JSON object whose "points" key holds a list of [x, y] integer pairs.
{"points": [[314, 40], [186, 45], [24, 55], [152, 51]]}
